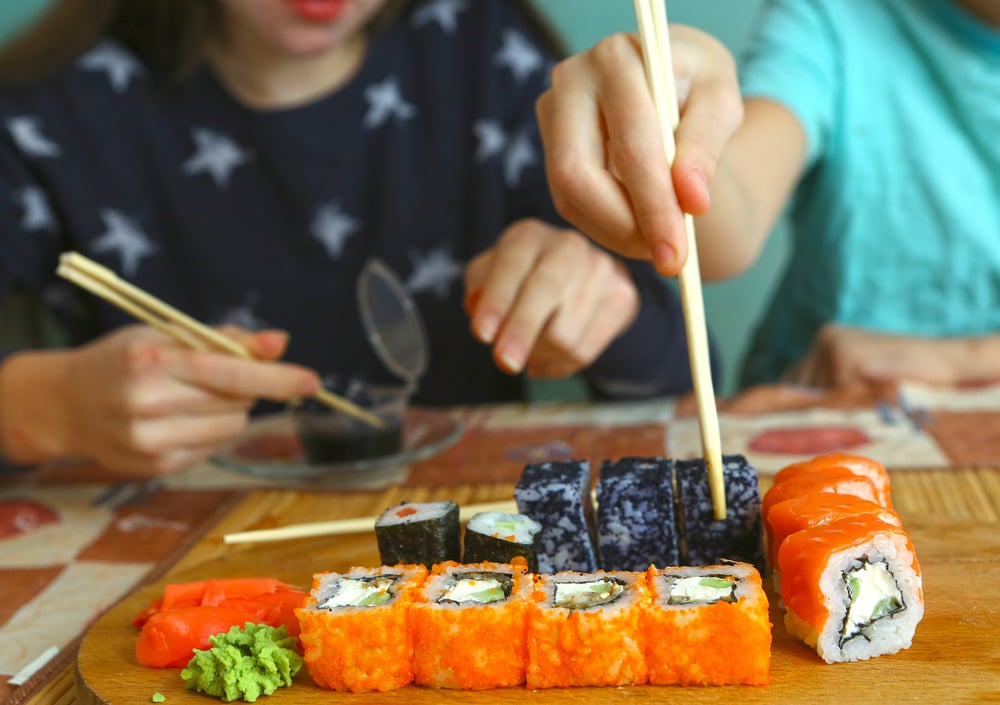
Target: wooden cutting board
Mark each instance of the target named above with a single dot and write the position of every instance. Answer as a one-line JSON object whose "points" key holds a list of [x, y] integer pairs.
{"points": [[955, 657]]}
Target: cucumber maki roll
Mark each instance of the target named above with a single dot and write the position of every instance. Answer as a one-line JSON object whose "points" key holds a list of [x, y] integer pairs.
{"points": [[501, 537], [635, 514], [419, 533]]}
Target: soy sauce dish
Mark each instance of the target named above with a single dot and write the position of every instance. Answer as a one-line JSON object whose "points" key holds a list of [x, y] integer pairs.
{"points": [[330, 436]]}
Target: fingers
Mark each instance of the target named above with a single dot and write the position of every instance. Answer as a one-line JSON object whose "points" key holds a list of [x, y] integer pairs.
{"points": [[599, 114], [552, 300], [263, 345], [711, 112], [170, 444]]}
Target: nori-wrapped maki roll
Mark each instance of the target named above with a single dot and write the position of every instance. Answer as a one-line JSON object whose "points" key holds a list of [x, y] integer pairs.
{"points": [[736, 538], [557, 495], [500, 537], [635, 514], [419, 533]]}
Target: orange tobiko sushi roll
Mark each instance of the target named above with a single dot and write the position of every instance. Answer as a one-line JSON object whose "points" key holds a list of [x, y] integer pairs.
{"points": [[859, 465], [707, 625], [816, 509], [584, 629], [469, 626], [852, 588], [355, 633]]}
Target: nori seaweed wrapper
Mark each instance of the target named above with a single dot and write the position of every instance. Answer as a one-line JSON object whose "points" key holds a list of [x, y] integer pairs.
{"points": [[635, 514], [424, 542], [557, 495], [480, 548], [739, 536]]}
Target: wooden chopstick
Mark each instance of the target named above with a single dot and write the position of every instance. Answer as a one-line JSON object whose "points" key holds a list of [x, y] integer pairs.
{"points": [[348, 526], [104, 283], [651, 16]]}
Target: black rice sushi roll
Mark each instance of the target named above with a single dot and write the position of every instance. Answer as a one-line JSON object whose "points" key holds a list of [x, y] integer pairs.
{"points": [[419, 533], [708, 540], [557, 496], [500, 538], [635, 514]]}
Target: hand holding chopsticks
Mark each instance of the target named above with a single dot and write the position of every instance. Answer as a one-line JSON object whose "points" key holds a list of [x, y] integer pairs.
{"points": [[104, 283], [651, 16]]}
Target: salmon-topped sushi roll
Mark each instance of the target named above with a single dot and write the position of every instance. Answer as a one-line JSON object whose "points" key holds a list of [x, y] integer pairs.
{"points": [[859, 465], [833, 480], [852, 588], [816, 509]]}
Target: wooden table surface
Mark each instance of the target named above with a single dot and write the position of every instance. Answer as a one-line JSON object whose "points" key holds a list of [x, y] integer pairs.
{"points": [[943, 449], [955, 658]]}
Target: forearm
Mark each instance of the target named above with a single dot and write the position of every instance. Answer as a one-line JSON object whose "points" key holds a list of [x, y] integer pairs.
{"points": [[973, 359], [33, 425], [757, 174]]}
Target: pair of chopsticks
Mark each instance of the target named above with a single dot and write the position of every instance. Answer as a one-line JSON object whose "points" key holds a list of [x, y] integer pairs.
{"points": [[651, 16], [340, 527], [102, 282]]}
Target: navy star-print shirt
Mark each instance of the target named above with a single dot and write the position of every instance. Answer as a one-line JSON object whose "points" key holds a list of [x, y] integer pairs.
{"points": [[265, 218]]}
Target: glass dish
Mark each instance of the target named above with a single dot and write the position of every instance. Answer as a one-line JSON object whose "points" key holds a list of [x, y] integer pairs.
{"points": [[272, 448]]}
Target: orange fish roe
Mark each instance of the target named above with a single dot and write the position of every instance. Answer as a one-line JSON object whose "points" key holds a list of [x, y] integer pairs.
{"points": [[858, 464], [469, 644], [598, 645], [361, 648], [722, 643]]}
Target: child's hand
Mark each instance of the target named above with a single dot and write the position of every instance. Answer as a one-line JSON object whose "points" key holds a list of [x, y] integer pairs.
{"points": [[604, 150], [842, 355], [547, 300], [138, 403]]}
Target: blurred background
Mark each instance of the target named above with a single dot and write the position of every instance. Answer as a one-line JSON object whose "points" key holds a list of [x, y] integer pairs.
{"points": [[733, 307]]}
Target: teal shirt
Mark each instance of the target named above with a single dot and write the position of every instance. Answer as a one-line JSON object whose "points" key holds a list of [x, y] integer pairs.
{"points": [[896, 221]]}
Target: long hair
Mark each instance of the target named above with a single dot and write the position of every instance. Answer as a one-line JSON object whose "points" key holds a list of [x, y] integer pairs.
{"points": [[169, 36]]}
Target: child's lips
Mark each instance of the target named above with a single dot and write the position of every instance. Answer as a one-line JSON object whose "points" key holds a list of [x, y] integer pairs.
{"points": [[318, 10]]}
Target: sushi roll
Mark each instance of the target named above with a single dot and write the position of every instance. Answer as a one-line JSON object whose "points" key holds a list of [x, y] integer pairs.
{"points": [[469, 626], [355, 634], [584, 629], [852, 588], [635, 514], [857, 464], [833, 480], [816, 509], [422, 533], [557, 496], [707, 540], [499, 537], [707, 625]]}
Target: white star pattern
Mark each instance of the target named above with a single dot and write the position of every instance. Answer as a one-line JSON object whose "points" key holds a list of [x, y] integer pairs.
{"points": [[125, 237], [215, 154], [243, 315], [491, 137], [385, 101], [519, 155], [27, 133], [115, 61], [519, 55], [331, 226], [444, 12], [36, 214], [435, 272]]}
